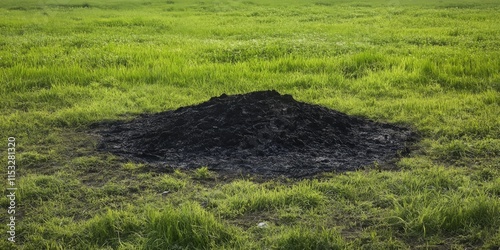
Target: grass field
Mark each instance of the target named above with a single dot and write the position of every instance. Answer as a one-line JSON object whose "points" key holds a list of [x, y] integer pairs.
{"points": [[431, 65]]}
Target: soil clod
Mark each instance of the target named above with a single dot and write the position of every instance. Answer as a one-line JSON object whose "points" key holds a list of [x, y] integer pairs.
{"points": [[262, 133]]}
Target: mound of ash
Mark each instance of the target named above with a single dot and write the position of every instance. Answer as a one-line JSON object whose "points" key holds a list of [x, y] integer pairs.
{"points": [[262, 133]]}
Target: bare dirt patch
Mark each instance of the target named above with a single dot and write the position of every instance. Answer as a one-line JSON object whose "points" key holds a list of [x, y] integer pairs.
{"points": [[263, 133]]}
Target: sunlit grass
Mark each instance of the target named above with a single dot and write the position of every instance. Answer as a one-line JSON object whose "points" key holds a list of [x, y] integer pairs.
{"points": [[434, 66]]}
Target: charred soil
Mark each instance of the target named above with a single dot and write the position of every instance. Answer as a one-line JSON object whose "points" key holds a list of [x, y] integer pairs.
{"points": [[263, 133]]}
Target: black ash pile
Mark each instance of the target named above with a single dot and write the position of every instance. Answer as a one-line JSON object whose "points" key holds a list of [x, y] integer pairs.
{"points": [[262, 133]]}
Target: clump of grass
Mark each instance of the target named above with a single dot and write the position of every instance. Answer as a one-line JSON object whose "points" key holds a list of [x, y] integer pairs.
{"points": [[354, 186], [430, 213], [493, 242], [290, 214], [131, 166], [89, 163], [302, 237], [493, 187], [32, 159], [112, 228], [203, 173], [244, 196], [113, 188], [35, 187], [186, 227], [67, 231], [179, 174], [170, 183]]}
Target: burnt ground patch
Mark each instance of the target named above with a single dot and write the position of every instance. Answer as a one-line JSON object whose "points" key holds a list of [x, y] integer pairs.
{"points": [[263, 133]]}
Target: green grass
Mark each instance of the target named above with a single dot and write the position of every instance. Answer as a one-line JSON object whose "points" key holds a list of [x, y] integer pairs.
{"points": [[309, 238], [203, 173], [240, 197], [434, 66], [189, 227]]}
